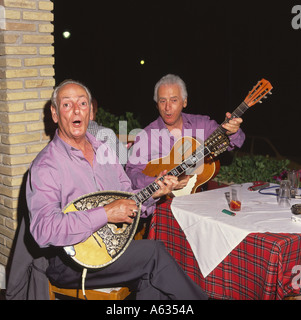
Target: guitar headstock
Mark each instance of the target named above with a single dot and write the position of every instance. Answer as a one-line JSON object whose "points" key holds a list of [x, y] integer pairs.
{"points": [[259, 92]]}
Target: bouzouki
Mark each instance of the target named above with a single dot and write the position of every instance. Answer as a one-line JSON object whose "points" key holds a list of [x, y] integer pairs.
{"points": [[186, 146], [107, 244]]}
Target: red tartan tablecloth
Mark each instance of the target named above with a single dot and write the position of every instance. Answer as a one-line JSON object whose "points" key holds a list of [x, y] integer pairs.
{"points": [[260, 267]]}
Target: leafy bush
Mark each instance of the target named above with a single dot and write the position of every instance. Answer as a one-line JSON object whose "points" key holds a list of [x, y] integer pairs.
{"points": [[109, 120], [252, 168]]}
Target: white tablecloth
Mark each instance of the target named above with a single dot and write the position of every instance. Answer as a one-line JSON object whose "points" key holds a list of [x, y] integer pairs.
{"points": [[212, 234]]}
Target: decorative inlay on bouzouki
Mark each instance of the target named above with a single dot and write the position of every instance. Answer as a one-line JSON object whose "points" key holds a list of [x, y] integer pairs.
{"points": [[108, 243], [187, 145]]}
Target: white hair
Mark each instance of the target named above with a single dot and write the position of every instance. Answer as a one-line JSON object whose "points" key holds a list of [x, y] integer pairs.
{"points": [[171, 79], [54, 101]]}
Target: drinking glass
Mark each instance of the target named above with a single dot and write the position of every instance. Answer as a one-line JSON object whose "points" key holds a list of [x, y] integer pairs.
{"points": [[293, 177], [235, 197], [284, 196]]}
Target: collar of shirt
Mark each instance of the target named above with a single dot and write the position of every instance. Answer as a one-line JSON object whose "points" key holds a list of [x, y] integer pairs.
{"points": [[187, 124], [69, 150]]}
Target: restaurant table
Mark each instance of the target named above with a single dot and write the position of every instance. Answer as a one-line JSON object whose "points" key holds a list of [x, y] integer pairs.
{"points": [[259, 267]]}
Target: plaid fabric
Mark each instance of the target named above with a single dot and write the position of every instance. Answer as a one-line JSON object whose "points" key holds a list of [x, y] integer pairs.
{"points": [[259, 268]]}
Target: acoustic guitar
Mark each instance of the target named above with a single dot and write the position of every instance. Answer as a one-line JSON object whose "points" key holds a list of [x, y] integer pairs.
{"points": [[107, 244], [185, 146]]}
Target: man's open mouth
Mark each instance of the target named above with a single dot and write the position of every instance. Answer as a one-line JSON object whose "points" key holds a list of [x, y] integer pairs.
{"points": [[77, 122]]}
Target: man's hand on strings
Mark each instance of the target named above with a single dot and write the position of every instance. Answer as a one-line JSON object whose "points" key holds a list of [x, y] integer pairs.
{"points": [[166, 186]]}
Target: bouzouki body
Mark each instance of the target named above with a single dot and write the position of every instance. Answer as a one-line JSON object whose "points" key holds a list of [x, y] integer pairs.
{"points": [[107, 244], [188, 156]]}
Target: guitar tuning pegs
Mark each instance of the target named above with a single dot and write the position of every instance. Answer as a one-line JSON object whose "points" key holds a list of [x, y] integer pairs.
{"points": [[270, 92]]}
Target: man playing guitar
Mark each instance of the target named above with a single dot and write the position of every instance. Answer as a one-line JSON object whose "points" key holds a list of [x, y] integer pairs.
{"points": [[158, 138]]}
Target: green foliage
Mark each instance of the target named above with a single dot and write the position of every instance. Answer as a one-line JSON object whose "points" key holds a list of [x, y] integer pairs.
{"points": [[111, 121], [132, 122], [252, 168]]}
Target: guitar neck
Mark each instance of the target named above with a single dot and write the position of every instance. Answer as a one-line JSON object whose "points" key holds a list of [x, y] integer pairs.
{"points": [[237, 113], [200, 153]]}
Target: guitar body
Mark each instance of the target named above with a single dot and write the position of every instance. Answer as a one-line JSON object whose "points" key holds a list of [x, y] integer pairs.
{"points": [[181, 150], [109, 242]]}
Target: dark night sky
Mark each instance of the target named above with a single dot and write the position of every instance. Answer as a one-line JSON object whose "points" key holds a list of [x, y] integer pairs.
{"points": [[219, 48]]}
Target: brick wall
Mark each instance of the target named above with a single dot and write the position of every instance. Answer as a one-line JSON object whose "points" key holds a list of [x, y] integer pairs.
{"points": [[26, 84]]}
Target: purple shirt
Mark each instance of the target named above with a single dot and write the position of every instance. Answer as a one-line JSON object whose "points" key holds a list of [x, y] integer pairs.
{"points": [[60, 174], [155, 141]]}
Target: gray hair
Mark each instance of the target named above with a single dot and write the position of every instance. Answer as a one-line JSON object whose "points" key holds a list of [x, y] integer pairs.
{"points": [[171, 79], [55, 93]]}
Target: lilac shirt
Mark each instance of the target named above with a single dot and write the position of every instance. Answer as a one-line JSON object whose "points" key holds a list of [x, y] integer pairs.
{"points": [[60, 174], [155, 141]]}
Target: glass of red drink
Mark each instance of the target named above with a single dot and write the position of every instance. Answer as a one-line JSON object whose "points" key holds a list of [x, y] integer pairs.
{"points": [[235, 197]]}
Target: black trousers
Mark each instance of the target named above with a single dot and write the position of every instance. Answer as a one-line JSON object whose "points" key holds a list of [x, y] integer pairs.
{"points": [[145, 267]]}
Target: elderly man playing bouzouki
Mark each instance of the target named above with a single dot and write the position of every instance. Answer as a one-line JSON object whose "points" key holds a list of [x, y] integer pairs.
{"points": [[72, 165]]}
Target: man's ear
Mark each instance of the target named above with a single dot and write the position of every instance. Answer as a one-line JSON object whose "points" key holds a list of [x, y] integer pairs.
{"points": [[91, 112], [54, 115], [185, 103]]}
